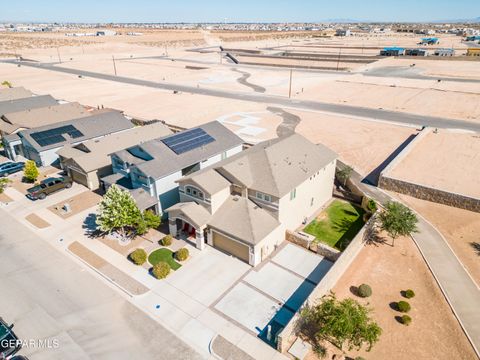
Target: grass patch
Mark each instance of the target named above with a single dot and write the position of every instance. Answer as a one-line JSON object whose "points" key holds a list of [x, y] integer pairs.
{"points": [[337, 225], [165, 255]]}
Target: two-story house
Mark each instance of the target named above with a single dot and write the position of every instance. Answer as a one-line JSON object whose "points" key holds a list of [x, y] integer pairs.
{"points": [[155, 166], [243, 204]]}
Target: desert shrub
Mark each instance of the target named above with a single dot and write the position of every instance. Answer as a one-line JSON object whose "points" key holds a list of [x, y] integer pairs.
{"points": [[403, 306], [139, 256], [182, 254], [167, 240], [409, 294], [359, 358], [364, 291], [161, 270], [406, 320]]}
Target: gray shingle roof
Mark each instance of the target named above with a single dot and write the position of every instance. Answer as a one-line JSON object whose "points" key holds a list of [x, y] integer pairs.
{"points": [[32, 102], [14, 93], [99, 124], [166, 161]]}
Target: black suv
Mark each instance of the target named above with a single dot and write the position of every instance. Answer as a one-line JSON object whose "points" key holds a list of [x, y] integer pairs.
{"points": [[48, 186], [9, 343]]}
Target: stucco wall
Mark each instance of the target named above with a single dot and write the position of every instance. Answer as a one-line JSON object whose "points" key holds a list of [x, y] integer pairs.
{"points": [[269, 244]]}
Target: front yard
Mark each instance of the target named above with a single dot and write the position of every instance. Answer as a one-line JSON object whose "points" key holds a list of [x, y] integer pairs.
{"points": [[337, 225]]}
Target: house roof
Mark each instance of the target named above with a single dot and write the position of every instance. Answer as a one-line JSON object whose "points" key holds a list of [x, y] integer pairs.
{"points": [[210, 181], [32, 102], [96, 125], [96, 154], [243, 219], [195, 214], [275, 166], [31, 118], [165, 161], [14, 93]]}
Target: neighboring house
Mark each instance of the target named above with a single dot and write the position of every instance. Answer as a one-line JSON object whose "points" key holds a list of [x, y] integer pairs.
{"points": [[243, 204], [156, 165], [89, 161], [42, 143], [14, 93], [32, 102], [12, 123]]}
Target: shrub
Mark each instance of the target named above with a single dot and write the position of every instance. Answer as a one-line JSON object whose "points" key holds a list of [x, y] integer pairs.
{"points": [[161, 270], [139, 256], [403, 306], [409, 294], [30, 171], [167, 240], [364, 291], [182, 254], [359, 358], [406, 320]]}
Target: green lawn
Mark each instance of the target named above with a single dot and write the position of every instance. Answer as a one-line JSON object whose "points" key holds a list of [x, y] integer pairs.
{"points": [[165, 255], [337, 225]]}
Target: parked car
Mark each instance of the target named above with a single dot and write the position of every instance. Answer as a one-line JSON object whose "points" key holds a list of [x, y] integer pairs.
{"points": [[9, 343], [48, 186], [11, 167]]}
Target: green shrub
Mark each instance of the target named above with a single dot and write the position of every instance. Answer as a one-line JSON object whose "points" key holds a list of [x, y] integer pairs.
{"points": [[364, 291], [139, 256], [30, 171], [406, 320], [161, 270], [182, 254], [371, 206], [409, 294], [403, 306], [359, 358], [167, 240]]}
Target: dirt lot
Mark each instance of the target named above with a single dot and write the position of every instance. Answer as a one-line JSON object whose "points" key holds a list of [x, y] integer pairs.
{"points": [[460, 227], [37, 221], [434, 332], [78, 203]]}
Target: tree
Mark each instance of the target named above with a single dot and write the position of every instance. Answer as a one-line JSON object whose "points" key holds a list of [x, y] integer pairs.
{"points": [[7, 84], [117, 211], [342, 323], [3, 184], [146, 221], [344, 174], [30, 171], [397, 220]]}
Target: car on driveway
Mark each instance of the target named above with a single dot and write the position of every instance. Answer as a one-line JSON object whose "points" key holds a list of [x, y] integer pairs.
{"points": [[48, 186], [11, 167], [9, 343]]}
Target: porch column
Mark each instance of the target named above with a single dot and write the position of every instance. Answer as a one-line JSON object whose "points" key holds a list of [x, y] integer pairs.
{"points": [[172, 227], [200, 238]]}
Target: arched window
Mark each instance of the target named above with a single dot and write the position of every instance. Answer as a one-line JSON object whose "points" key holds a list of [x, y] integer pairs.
{"points": [[193, 191]]}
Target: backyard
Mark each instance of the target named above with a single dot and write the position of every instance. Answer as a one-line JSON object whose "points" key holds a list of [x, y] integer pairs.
{"points": [[337, 225]]}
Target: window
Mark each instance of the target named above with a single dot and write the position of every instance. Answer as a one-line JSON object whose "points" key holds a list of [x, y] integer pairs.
{"points": [[293, 194], [194, 192], [312, 201], [263, 196], [224, 155]]}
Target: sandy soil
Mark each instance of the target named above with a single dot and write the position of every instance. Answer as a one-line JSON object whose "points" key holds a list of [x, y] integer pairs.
{"points": [[78, 203], [37, 221], [434, 332], [460, 227], [4, 198], [124, 249], [453, 162]]}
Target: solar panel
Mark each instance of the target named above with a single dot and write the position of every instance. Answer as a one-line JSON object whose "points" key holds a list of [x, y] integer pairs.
{"points": [[188, 140], [55, 136]]}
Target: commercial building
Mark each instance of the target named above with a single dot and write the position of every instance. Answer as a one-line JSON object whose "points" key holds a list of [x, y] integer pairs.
{"points": [[444, 52], [392, 51], [416, 52], [243, 204], [473, 52]]}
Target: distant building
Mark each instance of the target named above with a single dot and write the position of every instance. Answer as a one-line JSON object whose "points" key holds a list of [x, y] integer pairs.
{"points": [[392, 51], [429, 41], [473, 52], [343, 32], [416, 52], [444, 52], [473, 38], [106, 33]]}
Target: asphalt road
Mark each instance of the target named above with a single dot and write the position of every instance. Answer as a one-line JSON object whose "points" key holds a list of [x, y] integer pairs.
{"points": [[49, 296], [375, 114], [407, 72]]}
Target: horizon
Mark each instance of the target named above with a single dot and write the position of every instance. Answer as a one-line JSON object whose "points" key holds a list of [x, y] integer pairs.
{"points": [[249, 11]]}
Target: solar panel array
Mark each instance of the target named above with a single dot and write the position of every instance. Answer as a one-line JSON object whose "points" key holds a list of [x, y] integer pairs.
{"points": [[188, 140], [55, 136]]}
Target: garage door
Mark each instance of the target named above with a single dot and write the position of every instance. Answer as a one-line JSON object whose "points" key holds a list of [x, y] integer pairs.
{"points": [[79, 177], [230, 246]]}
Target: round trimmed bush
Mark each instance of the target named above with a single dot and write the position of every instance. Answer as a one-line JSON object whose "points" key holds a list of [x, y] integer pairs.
{"points": [[161, 270], [167, 240], [364, 291], [138, 256], [409, 294], [406, 320], [403, 306], [182, 254]]}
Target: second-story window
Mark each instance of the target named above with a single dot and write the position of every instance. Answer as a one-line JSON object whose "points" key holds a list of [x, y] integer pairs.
{"points": [[263, 196], [293, 194], [194, 192]]}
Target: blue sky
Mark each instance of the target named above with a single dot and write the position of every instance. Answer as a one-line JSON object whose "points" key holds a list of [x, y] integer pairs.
{"points": [[235, 11]]}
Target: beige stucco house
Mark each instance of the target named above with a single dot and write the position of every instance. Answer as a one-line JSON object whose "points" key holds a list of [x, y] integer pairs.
{"points": [[243, 204]]}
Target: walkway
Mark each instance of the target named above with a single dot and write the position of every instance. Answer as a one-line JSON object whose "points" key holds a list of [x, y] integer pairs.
{"points": [[459, 289]]}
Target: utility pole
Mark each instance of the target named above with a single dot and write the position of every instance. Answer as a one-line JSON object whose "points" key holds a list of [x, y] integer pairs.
{"points": [[166, 49], [114, 66], [338, 61], [58, 53], [290, 86]]}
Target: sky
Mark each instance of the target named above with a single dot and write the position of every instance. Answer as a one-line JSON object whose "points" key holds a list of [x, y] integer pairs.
{"points": [[236, 10]]}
